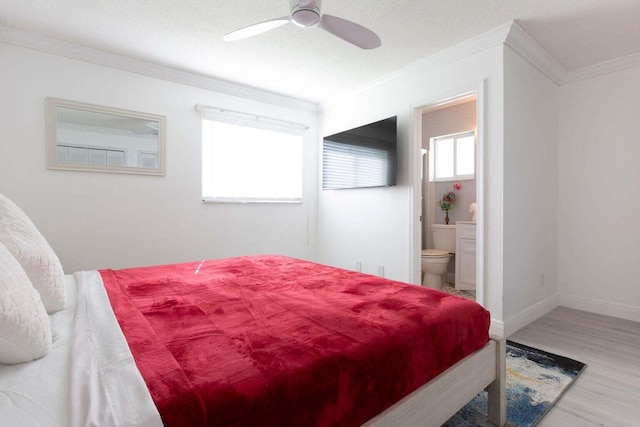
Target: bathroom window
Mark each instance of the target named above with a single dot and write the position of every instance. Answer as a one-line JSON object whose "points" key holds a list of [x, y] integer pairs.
{"points": [[250, 163], [452, 157]]}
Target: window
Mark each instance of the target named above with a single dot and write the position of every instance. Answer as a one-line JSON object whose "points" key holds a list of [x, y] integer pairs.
{"points": [[250, 163], [452, 157]]}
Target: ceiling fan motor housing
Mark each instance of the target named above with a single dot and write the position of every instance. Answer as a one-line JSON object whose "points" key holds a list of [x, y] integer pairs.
{"points": [[305, 13]]}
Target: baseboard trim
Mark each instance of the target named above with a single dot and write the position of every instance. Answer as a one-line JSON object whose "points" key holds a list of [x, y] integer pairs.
{"points": [[496, 328], [600, 307], [530, 314], [536, 311]]}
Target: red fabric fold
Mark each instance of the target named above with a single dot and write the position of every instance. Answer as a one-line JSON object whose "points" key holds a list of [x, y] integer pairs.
{"points": [[276, 341]]}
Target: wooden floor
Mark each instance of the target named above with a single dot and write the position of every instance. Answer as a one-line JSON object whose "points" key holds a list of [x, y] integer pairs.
{"points": [[607, 393]]}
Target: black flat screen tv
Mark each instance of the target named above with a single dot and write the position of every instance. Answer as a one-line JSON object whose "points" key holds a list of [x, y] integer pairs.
{"points": [[362, 157]]}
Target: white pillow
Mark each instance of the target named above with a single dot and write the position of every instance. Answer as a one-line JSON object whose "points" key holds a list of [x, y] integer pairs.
{"points": [[29, 247], [25, 330]]}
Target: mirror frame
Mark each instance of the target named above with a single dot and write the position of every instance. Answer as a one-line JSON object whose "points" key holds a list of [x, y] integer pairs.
{"points": [[52, 105]]}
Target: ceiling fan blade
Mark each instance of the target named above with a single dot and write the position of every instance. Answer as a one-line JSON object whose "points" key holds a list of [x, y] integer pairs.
{"points": [[255, 29], [349, 31]]}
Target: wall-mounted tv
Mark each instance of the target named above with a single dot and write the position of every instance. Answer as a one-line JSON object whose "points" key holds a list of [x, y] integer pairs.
{"points": [[361, 157]]}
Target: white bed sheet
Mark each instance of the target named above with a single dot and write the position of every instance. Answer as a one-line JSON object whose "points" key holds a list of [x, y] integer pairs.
{"points": [[36, 393], [106, 388], [88, 379]]}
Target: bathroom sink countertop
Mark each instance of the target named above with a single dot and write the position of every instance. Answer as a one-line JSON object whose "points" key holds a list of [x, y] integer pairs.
{"points": [[465, 222]]}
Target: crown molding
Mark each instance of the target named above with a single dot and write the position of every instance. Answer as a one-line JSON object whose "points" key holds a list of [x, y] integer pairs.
{"points": [[462, 50], [603, 68], [510, 34], [521, 42], [95, 56], [527, 47]]}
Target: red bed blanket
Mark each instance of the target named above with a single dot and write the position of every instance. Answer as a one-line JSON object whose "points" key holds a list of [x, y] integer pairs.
{"points": [[276, 341]]}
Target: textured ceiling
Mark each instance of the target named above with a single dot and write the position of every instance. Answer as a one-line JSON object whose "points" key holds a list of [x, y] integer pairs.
{"points": [[309, 63]]}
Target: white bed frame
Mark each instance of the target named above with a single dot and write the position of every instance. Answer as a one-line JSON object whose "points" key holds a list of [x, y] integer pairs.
{"points": [[439, 399]]}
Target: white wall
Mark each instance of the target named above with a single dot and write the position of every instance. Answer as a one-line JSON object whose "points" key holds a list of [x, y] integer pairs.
{"points": [[599, 203], [530, 191], [374, 226], [100, 220]]}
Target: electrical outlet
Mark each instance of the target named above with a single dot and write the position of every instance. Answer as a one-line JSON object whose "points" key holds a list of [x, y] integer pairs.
{"points": [[381, 270], [358, 266]]}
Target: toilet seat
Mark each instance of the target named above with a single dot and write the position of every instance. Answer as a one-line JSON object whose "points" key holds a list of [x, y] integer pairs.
{"points": [[434, 253]]}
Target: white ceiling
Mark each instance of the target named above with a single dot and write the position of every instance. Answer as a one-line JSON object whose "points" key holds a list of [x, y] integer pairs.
{"points": [[312, 64]]}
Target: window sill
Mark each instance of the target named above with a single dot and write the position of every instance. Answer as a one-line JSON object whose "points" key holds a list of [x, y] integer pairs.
{"points": [[454, 179], [246, 200]]}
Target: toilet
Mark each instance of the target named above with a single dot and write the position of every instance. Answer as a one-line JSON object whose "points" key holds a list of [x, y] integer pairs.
{"points": [[435, 261]]}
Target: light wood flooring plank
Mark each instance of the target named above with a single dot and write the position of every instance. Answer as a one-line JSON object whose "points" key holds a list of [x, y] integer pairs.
{"points": [[607, 393]]}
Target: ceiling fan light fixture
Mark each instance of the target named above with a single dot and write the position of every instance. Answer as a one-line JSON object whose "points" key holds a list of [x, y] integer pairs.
{"points": [[306, 14], [305, 18]]}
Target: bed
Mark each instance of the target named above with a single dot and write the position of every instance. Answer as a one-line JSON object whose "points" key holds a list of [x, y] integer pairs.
{"points": [[256, 340]]}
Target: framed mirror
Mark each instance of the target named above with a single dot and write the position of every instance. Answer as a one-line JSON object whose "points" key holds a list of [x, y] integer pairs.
{"points": [[94, 138]]}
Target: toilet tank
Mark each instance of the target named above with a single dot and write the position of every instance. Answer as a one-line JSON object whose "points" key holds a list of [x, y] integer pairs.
{"points": [[444, 237]]}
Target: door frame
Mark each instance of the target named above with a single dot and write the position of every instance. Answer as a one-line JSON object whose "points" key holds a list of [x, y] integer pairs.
{"points": [[448, 98]]}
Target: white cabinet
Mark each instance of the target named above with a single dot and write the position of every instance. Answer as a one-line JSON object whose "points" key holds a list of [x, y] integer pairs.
{"points": [[466, 255]]}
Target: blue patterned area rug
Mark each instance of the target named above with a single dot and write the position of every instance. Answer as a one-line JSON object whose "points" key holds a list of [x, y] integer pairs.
{"points": [[535, 381]]}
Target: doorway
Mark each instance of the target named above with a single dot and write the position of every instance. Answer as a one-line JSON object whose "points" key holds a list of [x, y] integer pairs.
{"points": [[438, 119]]}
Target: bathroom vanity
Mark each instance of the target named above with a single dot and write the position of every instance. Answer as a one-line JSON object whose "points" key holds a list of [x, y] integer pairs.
{"points": [[466, 255]]}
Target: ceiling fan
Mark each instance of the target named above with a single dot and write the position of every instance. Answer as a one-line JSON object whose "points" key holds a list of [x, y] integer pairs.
{"points": [[306, 14]]}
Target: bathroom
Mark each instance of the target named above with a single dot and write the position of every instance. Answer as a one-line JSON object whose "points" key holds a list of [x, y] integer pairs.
{"points": [[448, 166]]}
